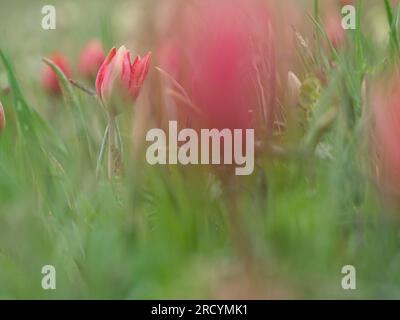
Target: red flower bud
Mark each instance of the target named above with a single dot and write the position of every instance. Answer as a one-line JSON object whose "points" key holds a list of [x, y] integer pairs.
{"points": [[91, 58], [117, 72], [49, 78]]}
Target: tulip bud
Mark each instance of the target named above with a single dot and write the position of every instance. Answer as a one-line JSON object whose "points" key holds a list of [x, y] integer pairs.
{"points": [[49, 78], [91, 58], [346, 2], [117, 72], [2, 118]]}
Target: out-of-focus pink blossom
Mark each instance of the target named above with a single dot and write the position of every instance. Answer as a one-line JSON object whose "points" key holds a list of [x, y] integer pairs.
{"points": [[222, 58], [2, 118], [333, 28], [386, 107], [118, 75], [49, 78], [91, 58]]}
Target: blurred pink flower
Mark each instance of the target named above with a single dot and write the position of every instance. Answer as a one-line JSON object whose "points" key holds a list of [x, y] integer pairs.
{"points": [[117, 72], [346, 2], [2, 118], [222, 55], [91, 58], [49, 78], [334, 29], [386, 107]]}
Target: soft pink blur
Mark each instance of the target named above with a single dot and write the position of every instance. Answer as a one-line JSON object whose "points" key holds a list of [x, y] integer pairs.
{"points": [[222, 64], [49, 78], [386, 107], [346, 2], [223, 55], [117, 73], [334, 29], [2, 118], [91, 58], [331, 15]]}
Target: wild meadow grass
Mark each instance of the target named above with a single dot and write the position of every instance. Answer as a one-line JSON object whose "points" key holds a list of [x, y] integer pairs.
{"points": [[170, 232]]}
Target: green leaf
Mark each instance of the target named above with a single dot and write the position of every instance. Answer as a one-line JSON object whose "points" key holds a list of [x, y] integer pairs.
{"points": [[72, 101], [394, 40], [70, 97]]}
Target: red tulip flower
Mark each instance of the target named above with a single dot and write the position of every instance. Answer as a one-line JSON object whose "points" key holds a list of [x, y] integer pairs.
{"points": [[117, 73], [91, 58], [49, 78], [2, 118]]}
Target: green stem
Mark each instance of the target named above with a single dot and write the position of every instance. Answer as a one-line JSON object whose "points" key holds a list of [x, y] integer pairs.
{"points": [[111, 146], [119, 139]]}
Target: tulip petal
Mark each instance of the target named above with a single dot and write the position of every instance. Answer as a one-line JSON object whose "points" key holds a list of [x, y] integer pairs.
{"points": [[103, 70], [140, 69], [126, 69]]}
